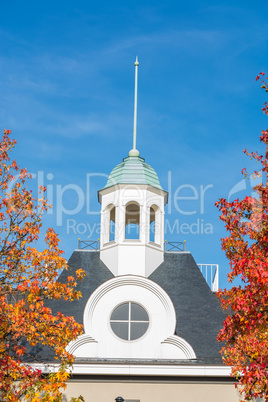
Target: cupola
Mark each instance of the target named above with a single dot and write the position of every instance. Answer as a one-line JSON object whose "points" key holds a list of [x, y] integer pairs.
{"points": [[132, 214]]}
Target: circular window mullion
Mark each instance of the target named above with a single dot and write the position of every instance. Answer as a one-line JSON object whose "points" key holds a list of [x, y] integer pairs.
{"points": [[122, 321], [130, 321]]}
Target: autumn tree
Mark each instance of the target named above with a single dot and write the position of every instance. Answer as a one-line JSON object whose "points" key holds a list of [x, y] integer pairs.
{"points": [[28, 277], [245, 330]]}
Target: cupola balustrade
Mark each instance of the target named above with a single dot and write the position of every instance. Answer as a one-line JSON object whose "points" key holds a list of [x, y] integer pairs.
{"points": [[209, 271]]}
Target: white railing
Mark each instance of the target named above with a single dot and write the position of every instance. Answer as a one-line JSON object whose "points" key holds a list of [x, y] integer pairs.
{"points": [[211, 274]]}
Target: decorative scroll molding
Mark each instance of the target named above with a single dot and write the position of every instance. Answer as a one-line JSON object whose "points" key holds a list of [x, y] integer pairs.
{"points": [[182, 345]]}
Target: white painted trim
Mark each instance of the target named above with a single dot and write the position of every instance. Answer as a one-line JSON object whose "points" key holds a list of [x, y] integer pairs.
{"points": [[82, 340], [120, 186], [110, 244], [159, 341], [154, 245], [138, 281], [139, 369], [181, 344], [156, 203]]}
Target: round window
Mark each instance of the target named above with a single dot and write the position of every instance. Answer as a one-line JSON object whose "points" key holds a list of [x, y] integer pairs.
{"points": [[129, 321]]}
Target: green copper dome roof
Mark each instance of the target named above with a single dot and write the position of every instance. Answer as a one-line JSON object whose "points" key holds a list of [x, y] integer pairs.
{"points": [[133, 170]]}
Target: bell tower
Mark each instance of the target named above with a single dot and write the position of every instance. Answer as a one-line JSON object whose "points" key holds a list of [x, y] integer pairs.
{"points": [[132, 214]]}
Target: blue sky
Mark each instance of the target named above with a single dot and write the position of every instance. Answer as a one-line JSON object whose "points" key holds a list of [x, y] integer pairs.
{"points": [[67, 84]]}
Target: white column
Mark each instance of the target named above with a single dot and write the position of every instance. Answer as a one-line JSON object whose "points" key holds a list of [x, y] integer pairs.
{"points": [[121, 212]]}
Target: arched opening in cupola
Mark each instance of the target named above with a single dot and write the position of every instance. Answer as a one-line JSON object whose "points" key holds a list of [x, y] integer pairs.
{"points": [[132, 221], [154, 224], [112, 224], [108, 229]]}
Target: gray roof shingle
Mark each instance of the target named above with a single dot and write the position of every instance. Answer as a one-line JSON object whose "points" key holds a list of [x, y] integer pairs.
{"points": [[199, 315], [96, 274]]}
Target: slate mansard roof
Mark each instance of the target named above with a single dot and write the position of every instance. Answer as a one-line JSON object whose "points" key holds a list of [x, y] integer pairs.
{"points": [[198, 312]]}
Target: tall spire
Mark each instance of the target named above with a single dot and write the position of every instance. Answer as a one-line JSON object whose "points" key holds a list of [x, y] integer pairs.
{"points": [[134, 151]]}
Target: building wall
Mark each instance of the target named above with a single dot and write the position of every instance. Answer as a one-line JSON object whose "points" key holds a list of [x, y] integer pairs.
{"points": [[106, 391]]}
